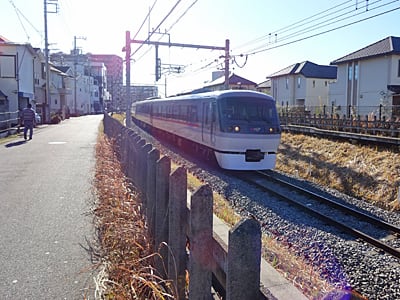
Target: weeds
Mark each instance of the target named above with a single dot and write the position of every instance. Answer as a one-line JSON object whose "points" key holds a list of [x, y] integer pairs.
{"points": [[126, 258]]}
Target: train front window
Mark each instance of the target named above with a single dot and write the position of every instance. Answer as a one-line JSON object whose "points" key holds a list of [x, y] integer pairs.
{"points": [[251, 114]]}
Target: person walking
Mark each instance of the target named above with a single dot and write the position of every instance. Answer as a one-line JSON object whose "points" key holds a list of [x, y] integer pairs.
{"points": [[28, 117]]}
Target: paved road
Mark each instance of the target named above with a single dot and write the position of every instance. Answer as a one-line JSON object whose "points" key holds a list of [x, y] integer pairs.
{"points": [[45, 193]]}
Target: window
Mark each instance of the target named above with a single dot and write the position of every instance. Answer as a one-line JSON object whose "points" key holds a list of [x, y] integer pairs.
{"points": [[287, 83], [350, 73], [313, 83], [398, 69], [356, 72], [298, 82], [7, 66]]}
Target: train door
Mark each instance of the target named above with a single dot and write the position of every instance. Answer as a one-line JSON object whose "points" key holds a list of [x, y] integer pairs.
{"points": [[209, 123]]}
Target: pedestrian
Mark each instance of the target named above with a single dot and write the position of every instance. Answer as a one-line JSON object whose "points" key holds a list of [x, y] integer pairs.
{"points": [[28, 117]]}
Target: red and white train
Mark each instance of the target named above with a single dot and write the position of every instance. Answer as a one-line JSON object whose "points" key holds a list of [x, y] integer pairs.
{"points": [[240, 127]]}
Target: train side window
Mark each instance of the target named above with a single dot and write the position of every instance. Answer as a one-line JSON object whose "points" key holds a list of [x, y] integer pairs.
{"points": [[192, 113]]}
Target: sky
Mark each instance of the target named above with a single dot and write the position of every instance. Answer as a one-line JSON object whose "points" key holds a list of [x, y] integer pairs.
{"points": [[265, 36]]}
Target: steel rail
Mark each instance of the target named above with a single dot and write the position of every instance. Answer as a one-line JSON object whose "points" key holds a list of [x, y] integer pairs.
{"points": [[250, 178]]}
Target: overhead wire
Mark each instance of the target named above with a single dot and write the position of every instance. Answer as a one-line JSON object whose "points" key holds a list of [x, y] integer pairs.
{"points": [[170, 28], [145, 19], [158, 26], [326, 31], [325, 23], [295, 24], [19, 14], [317, 26]]}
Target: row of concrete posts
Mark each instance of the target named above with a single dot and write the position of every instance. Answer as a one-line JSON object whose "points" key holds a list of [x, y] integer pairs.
{"points": [[180, 224]]}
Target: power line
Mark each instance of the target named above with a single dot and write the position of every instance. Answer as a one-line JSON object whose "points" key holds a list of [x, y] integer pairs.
{"points": [[326, 31], [159, 25], [19, 14], [145, 19], [181, 16], [169, 29], [334, 20], [329, 16], [297, 23]]}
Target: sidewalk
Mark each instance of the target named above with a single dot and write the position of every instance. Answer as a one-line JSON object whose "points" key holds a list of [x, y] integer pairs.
{"points": [[46, 193]]}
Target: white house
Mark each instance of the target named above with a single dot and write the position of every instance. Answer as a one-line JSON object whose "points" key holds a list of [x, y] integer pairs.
{"points": [[82, 94], [16, 75], [369, 77], [303, 84]]}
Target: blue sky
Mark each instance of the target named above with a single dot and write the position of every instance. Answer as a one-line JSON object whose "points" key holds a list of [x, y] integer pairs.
{"points": [[257, 32]]}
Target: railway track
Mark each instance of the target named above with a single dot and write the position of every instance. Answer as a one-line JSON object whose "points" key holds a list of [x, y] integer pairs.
{"points": [[328, 210]]}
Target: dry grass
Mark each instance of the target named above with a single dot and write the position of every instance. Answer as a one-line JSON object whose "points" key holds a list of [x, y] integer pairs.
{"points": [[365, 172], [125, 249]]}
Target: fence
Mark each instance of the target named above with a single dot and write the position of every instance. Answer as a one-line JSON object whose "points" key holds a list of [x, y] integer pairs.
{"points": [[188, 232], [8, 121], [377, 120]]}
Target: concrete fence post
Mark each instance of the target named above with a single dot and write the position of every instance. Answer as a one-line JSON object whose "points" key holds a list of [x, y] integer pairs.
{"points": [[163, 171], [244, 259], [131, 160], [201, 243], [143, 167], [177, 258], [152, 157], [139, 144], [124, 150]]}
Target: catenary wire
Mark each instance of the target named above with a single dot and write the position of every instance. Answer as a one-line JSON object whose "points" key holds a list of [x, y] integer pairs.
{"points": [[295, 24], [158, 26], [326, 31]]}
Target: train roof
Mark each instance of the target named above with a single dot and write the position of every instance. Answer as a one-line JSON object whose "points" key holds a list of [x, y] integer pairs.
{"points": [[213, 94]]}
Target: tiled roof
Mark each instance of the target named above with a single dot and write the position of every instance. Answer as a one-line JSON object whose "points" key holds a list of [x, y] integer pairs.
{"points": [[308, 69], [233, 79], [265, 84], [4, 40], [389, 45]]}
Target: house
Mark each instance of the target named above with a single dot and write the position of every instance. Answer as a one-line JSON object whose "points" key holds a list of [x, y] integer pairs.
{"points": [[56, 103], [264, 87], [369, 77], [302, 84], [84, 66], [16, 75], [235, 83]]}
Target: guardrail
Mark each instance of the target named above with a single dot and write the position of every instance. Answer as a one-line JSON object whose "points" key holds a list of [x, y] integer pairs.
{"points": [[184, 222], [8, 121], [378, 120]]}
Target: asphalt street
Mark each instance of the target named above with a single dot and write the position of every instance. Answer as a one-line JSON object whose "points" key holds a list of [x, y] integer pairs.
{"points": [[46, 193]]}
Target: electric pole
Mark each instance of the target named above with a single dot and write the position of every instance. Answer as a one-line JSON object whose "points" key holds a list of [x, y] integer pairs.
{"points": [[47, 99], [75, 73], [128, 78]]}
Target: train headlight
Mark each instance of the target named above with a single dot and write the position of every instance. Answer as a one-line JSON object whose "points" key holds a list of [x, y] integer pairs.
{"points": [[271, 130], [236, 128]]}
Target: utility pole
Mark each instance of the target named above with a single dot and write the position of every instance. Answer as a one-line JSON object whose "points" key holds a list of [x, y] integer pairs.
{"points": [[227, 64], [47, 100], [75, 73], [128, 78]]}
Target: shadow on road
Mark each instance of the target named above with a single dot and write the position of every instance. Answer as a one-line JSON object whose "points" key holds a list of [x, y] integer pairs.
{"points": [[19, 143]]}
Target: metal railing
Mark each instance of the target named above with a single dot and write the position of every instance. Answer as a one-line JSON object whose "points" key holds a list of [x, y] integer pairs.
{"points": [[8, 121], [374, 120]]}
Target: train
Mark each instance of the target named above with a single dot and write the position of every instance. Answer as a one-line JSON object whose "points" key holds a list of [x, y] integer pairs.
{"points": [[240, 128]]}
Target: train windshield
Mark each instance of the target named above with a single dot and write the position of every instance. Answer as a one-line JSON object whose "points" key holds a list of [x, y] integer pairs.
{"points": [[253, 114]]}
